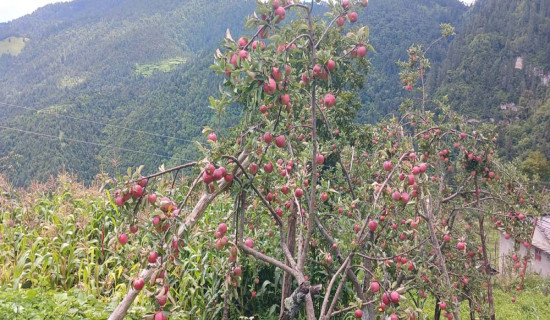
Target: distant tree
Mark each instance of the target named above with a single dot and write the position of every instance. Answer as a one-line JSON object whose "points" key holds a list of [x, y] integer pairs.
{"points": [[537, 164]]}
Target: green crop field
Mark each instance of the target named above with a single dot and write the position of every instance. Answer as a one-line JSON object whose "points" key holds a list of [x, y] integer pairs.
{"points": [[167, 65], [13, 45]]}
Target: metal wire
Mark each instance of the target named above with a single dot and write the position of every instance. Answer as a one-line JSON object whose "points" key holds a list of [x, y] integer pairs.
{"points": [[93, 121], [91, 143]]}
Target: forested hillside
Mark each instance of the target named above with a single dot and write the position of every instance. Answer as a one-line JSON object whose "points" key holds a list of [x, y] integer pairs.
{"points": [[395, 25], [143, 65], [498, 70], [93, 60]]}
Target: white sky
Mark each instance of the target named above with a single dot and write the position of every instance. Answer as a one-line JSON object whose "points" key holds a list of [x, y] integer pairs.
{"points": [[13, 9]]}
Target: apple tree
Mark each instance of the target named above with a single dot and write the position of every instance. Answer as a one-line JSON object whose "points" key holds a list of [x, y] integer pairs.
{"points": [[364, 221]]}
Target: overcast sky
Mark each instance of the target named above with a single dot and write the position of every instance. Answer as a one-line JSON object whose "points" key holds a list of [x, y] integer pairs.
{"points": [[13, 9]]}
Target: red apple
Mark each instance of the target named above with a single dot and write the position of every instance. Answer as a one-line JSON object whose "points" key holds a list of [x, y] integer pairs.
{"points": [[207, 178], [119, 201], [361, 51], [249, 243], [386, 298], [352, 17], [134, 228], [160, 316], [212, 137], [218, 175], [277, 74], [305, 78], [152, 198], [153, 256], [396, 195], [280, 141], [143, 182], [423, 167], [222, 228], [209, 169], [358, 314], [237, 271], [394, 296], [223, 241], [373, 225], [268, 137], [280, 13], [331, 65], [139, 283], [298, 193], [317, 70], [137, 191], [284, 189], [234, 60], [330, 100], [123, 238], [320, 159], [270, 86], [162, 300], [285, 99], [268, 167], [242, 42]]}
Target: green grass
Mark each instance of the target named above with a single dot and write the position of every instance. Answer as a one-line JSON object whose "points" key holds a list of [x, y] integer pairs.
{"points": [[12, 45], [167, 65], [37, 304], [533, 303], [73, 304]]}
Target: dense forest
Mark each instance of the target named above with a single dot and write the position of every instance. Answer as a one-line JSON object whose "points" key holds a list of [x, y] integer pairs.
{"points": [[81, 61], [498, 70], [79, 66]]}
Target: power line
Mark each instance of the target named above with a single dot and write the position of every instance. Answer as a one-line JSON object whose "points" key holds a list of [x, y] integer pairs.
{"points": [[94, 121], [91, 143]]}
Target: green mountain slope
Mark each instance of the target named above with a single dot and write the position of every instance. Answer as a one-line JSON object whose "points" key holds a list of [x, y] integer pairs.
{"points": [[85, 59], [498, 69], [143, 65], [396, 25]]}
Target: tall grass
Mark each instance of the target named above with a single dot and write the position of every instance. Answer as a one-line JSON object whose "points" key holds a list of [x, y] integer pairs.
{"points": [[61, 236]]}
